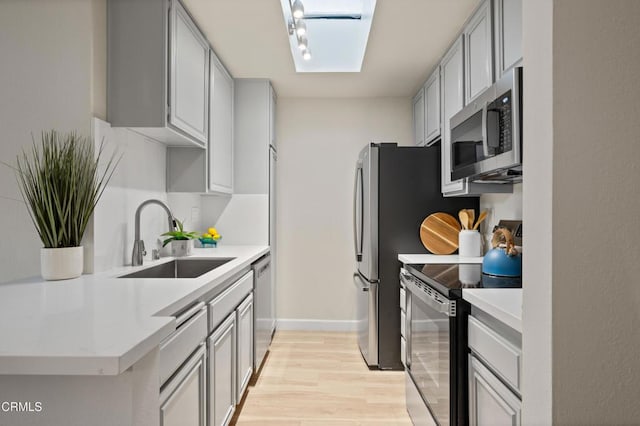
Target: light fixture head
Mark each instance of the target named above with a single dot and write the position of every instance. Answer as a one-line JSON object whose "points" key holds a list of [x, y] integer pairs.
{"points": [[303, 43], [306, 54], [301, 27], [297, 10]]}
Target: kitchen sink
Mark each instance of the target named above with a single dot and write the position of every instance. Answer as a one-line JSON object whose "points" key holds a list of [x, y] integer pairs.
{"points": [[180, 268]]}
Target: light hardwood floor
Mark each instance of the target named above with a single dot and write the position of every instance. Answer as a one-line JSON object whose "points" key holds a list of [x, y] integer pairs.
{"points": [[320, 379]]}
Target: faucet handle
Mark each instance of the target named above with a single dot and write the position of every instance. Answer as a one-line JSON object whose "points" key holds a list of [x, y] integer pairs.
{"points": [[142, 249]]}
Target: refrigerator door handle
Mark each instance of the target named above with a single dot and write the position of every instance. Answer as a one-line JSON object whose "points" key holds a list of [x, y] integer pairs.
{"points": [[357, 244]]}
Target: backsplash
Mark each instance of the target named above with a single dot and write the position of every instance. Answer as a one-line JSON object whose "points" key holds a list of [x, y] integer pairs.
{"points": [[141, 175], [500, 206]]}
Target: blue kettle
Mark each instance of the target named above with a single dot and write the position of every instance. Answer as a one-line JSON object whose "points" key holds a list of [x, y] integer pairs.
{"points": [[502, 261]]}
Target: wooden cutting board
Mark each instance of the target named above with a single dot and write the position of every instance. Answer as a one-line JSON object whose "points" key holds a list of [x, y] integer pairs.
{"points": [[439, 233]]}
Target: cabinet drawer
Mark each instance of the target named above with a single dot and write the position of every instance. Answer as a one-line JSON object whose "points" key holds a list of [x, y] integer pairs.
{"points": [[175, 349], [499, 353], [225, 303], [403, 300], [403, 324], [403, 351]]}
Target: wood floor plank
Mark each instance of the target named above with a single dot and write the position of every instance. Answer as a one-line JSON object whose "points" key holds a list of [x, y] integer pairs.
{"points": [[320, 379]]}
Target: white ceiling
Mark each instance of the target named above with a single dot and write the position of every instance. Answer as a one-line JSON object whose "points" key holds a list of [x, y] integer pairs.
{"points": [[407, 39]]}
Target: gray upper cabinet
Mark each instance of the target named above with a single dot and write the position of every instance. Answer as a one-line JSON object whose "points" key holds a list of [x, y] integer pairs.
{"points": [[452, 98], [432, 107], [418, 117], [254, 123], [508, 34], [157, 72], [478, 41], [221, 129]]}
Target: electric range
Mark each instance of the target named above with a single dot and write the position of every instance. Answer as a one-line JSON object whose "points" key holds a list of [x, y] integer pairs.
{"points": [[437, 338]]}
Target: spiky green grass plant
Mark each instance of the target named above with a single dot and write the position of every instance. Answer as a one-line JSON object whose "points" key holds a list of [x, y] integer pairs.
{"points": [[61, 183]]}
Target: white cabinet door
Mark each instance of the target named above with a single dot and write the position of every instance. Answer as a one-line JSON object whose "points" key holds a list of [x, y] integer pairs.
{"points": [[490, 401], [508, 34], [244, 318], [222, 372], [418, 118], [452, 98], [478, 41], [188, 75], [432, 106], [221, 129], [183, 398]]}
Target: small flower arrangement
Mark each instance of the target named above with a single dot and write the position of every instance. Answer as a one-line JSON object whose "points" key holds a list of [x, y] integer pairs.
{"points": [[210, 238]]}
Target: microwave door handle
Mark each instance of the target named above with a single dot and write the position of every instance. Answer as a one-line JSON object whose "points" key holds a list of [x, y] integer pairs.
{"points": [[355, 214], [485, 142]]}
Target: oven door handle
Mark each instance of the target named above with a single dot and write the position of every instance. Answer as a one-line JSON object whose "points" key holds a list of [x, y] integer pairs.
{"points": [[430, 297]]}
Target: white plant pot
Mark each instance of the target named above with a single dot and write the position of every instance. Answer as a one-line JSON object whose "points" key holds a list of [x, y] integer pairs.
{"points": [[180, 248], [61, 263]]}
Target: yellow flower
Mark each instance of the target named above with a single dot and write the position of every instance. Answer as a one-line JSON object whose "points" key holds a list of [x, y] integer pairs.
{"points": [[212, 231]]}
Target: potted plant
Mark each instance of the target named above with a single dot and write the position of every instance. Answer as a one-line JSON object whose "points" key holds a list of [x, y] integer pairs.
{"points": [[61, 184], [181, 240]]}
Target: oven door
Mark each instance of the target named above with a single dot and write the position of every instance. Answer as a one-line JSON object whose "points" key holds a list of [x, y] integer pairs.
{"points": [[429, 341]]}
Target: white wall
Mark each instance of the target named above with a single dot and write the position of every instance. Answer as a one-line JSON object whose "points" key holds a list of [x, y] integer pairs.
{"points": [[596, 176], [318, 144], [140, 176], [581, 348], [539, 256], [500, 206], [52, 77]]}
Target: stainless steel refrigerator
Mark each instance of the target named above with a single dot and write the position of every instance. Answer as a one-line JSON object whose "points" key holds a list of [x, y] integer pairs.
{"points": [[395, 189]]}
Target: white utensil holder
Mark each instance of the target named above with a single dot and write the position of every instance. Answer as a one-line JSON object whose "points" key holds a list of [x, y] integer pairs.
{"points": [[469, 243]]}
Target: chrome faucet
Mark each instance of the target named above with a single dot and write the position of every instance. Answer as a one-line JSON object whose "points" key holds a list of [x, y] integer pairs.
{"points": [[138, 245]]}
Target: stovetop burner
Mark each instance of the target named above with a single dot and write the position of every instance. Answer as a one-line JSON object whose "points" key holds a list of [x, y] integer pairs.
{"points": [[450, 279]]}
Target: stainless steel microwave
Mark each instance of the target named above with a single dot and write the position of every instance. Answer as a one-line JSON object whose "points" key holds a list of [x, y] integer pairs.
{"points": [[486, 135]]}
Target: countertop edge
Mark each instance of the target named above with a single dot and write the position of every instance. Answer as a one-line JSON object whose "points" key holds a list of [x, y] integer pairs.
{"points": [[495, 307]]}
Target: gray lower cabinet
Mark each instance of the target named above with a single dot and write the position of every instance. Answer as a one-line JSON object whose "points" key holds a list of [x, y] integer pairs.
{"points": [[183, 397], [222, 372], [244, 321], [490, 401], [158, 74]]}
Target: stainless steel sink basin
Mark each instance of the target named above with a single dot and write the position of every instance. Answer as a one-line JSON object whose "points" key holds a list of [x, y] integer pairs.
{"points": [[180, 268]]}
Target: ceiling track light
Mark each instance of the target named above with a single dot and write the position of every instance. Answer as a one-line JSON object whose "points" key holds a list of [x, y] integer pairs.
{"points": [[303, 43], [298, 28], [297, 9], [301, 27]]}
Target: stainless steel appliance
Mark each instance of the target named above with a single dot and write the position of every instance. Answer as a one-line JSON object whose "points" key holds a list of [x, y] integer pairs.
{"points": [[395, 189], [264, 319], [486, 135], [437, 368]]}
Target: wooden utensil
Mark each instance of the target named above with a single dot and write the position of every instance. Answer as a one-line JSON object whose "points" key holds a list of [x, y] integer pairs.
{"points": [[439, 233], [482, 217], [464, 218], [472, 218]]}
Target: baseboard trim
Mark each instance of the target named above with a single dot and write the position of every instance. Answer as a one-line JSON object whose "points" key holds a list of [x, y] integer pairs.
{"points": [[316, 325]]}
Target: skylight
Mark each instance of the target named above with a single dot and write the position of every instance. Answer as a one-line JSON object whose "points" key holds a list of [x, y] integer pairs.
{"points": [[336, 32]]}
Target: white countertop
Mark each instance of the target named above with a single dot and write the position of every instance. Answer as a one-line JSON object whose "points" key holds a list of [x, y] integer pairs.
{"points": [[504, 304], [100, 324], [437, 258]]}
